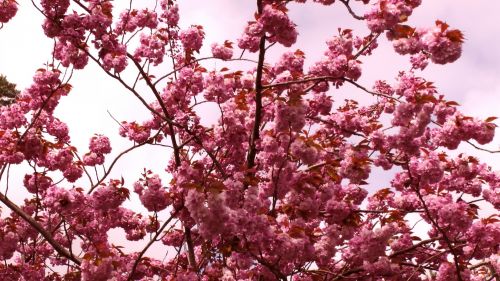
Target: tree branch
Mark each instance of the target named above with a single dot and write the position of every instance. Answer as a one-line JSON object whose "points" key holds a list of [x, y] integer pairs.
{"points": [[252, 152], [39, 228], [144, 250]]}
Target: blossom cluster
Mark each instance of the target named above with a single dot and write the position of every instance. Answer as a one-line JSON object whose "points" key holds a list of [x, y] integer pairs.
{"points": [[273, 23], [8, 11]]}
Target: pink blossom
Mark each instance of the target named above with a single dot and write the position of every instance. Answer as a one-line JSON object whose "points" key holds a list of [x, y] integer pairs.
{"points": [[58, 129], [369, 244], [152, 194], [8, 244], [55, 7], [281, 175], [93, 159], [97, 271], [152, 48], [109, 197], [68, 53], [429, 168], [292, 117], [173, 238], [170, 13], [12, 116], [112, 53], [386, 14], [100, 144], [293, 62], [192, 38], [224, 52], [73, 172], [218, 88], [447, 272], [355, 165], [307, 154], [8, 10], [278, 25], [136, 19], [37, 183], [250, 43], [134, 132], [443, 44]]}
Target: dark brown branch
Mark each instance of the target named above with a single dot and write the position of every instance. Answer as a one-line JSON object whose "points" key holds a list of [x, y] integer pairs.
{"points": [[360, 52], [443, 233], [421, 243], [328, 78], [189, 242], [118, 157], [196, 61], [353, 14], [39, 228], [154, 239], [163, 107], [259, 88]]}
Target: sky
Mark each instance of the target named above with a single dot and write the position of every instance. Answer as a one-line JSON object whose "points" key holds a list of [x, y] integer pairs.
{"points": [[473, 81]]}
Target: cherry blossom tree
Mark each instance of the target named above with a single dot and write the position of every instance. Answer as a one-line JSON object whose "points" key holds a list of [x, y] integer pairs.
{"points": [[277, 188]]}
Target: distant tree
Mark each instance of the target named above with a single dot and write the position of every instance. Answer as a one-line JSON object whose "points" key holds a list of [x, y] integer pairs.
{"points": [[8, 91]]}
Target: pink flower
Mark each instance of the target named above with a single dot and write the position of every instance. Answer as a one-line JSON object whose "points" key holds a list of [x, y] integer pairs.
{"points": [[135, 132], [290, 116], [443, 45], [72, 173], [93, 159], [100, 144], [109, 197], [131, 20], [192, 38], [307, 154], [97, 271], [218, 88], [250, 43], [447, 272], [386, 14], [275, 23], [153, 195], [224, 52], [54, 8], [174, 238], [8, 243], [278, 25], [112, 53], [293, 62], [170, 13], [37, 183], [8, 9], [355, 164], [58, 129], [428, 167], [152, 48], [68, 53]]}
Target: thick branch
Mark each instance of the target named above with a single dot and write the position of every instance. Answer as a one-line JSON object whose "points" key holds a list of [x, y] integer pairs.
{"points": [[252, 152], [189, 242], [59, 249]]}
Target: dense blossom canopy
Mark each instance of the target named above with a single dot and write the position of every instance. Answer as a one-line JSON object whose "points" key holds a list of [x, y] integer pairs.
{"points": [[277, 188]]}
